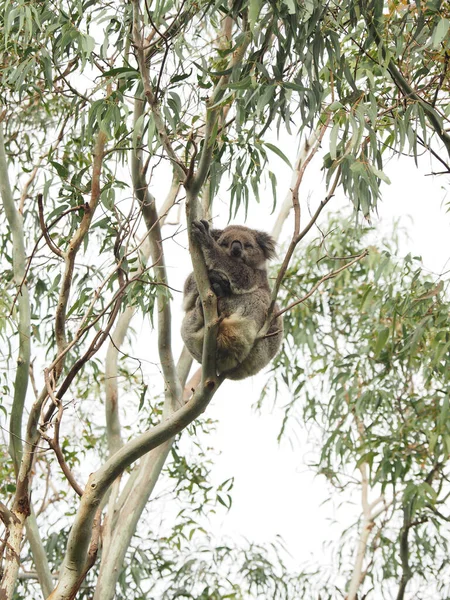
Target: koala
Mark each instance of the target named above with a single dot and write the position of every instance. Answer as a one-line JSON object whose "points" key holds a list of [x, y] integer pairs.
{"points": [[236, 261]]}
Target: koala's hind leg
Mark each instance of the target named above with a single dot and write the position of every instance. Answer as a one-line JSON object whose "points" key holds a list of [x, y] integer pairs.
{"points": [[235, 339], [192, 330]]}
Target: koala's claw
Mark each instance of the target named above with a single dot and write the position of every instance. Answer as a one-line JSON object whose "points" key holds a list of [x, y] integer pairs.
{"points": [[200, 231]]}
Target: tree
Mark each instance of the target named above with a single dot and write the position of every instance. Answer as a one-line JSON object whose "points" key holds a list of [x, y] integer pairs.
{"points": [[366, 364], [99, 98]]}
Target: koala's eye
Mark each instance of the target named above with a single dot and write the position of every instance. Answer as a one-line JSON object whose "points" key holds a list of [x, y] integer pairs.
{"points": [[224, 244], [248, 245]]}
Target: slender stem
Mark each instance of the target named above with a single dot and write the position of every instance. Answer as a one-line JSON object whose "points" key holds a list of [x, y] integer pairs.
{"points": [[151, 218], [296, 233], [15, 222]]}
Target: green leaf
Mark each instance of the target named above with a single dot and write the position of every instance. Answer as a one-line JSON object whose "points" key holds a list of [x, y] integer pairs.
{"points": [[278, 153], [273, 182], [440, 32], [254, 8], [334, 106], [60, 169], [333, 141], [122, 71], [142, 397], [380, 174], [290, 5], [382, 338]]}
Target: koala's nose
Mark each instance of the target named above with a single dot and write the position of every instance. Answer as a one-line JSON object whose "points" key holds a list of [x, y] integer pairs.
{"points": [[236, 248]]}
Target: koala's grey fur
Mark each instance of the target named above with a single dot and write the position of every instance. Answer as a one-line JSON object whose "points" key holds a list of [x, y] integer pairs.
{"points": [[236, 261]]}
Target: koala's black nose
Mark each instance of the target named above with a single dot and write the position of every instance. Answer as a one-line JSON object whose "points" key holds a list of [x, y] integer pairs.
{"points": [[236, 248]]}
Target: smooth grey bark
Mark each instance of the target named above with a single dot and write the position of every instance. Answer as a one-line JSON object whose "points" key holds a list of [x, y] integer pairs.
{"points": [[15, 222]]}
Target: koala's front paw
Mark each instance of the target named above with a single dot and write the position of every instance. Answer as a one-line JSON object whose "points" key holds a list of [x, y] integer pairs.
{"points": [[220, 284], [201, 233]]}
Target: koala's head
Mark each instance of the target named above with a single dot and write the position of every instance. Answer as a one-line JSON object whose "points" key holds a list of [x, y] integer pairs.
{"points": [[247, 245]]}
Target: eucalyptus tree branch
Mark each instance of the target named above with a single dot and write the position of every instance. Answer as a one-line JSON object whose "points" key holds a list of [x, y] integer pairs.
{"points": [[123, 517], [368, 522], [366, 528], [100, 481], [21, 506], [151, 218], [44, 574], [296, 235], [12, 559], [139, 43], [404, 552], [117, 338], [287, 205], [74, 245], [15, 223]]}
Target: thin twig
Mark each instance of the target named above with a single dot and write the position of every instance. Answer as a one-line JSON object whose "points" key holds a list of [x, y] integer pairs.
{"points": [[44, 229]]}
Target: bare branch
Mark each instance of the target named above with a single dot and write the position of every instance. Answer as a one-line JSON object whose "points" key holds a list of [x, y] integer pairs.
{"points": [[151, 218], [74, 245], [54, 443]]}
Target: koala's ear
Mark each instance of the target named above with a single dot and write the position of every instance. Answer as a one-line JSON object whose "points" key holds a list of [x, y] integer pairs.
{"points": [[266, 243], [216, 233]]}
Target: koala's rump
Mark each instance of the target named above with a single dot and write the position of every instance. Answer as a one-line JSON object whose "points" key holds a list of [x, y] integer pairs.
{"points": [[243, 316], [261, 353]]}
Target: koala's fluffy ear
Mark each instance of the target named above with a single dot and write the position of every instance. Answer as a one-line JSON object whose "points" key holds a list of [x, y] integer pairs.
{"points": [[266, 243]]}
